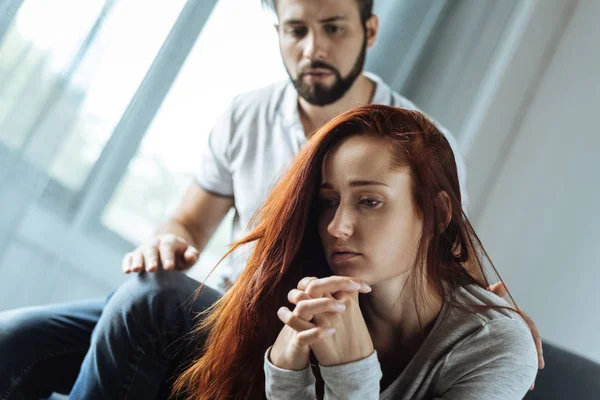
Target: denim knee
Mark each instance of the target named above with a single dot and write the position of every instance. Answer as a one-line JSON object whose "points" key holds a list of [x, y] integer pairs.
{"points": [[154, 306], [152, 292], [15, 330]]}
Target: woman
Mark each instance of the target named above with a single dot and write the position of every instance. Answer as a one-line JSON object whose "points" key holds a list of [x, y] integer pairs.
{"points": [[366, 238]]}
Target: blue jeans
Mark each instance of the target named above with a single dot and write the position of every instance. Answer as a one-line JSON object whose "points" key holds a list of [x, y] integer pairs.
{"points": [[128, 346]]}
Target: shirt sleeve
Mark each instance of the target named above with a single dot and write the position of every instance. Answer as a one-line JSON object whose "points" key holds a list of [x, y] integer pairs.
{"points": [[281, 384], [498, 362], [355, 380], [215, 172]]}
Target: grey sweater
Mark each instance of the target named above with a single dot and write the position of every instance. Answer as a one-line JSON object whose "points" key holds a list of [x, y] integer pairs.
{"points": [[489, 355]]}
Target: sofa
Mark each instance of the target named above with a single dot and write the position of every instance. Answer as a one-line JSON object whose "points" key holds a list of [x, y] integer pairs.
{"points": [[566, 376]]}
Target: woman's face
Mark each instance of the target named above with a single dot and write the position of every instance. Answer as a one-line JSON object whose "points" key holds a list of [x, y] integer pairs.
{"points": [[368, 225]]}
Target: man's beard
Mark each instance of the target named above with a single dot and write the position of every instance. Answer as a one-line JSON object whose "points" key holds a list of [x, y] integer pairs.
{"points": [[319, 95]]}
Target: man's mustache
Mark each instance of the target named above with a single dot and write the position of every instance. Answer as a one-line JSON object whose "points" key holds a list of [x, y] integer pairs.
{"points": [[318, 65]]}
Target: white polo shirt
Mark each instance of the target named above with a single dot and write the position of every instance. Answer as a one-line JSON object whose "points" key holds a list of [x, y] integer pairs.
{"points": [[254, 142]]}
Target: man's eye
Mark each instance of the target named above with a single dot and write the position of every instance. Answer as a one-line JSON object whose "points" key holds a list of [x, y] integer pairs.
{"points": [[297, 32], [333, 28]]}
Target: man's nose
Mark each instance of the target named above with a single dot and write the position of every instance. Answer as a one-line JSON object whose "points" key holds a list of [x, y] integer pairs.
{"points": [[315, 47]]}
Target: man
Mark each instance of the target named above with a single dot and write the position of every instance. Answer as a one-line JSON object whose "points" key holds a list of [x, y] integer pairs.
{"points": [[130, 345]]}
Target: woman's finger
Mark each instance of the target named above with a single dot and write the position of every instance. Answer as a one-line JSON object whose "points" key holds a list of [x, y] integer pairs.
{"points": [[310, 336], [333, 284], [293, 321], [307, 309], [305, 281], [295, 296]]}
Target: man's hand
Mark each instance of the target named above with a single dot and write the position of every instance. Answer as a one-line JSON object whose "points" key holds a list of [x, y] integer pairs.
{"points": [[171, 251], [499, 289]]}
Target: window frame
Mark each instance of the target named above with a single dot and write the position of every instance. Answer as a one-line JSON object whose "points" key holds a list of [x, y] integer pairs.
{"points": [[84, 207]]}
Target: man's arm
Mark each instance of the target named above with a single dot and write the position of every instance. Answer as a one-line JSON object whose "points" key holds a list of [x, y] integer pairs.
{"points": [[178, 241]]}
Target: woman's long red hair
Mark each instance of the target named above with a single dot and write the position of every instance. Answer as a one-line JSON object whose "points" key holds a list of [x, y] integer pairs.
{"points": [[243, 323]]}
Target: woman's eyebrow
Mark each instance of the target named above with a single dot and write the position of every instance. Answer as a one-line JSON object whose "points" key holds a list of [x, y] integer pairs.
{"points": [[355, 183]]}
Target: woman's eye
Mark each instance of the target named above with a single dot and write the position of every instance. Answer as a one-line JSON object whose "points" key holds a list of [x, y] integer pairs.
{"points": [[328, 203], [370, 203]]}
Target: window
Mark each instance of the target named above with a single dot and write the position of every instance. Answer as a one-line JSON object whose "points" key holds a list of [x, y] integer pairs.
{"points": [[68, 70], [236, 52]]}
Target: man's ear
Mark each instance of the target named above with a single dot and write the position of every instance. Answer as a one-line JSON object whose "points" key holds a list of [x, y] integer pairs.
{"points": [[372, 25], [443, 211]]}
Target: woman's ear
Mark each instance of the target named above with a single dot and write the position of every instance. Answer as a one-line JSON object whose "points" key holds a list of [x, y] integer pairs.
{"points": [[443, 211]]}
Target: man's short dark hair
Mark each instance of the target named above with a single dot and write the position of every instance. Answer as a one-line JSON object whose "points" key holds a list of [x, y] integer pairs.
{"points": [[365, 6]]}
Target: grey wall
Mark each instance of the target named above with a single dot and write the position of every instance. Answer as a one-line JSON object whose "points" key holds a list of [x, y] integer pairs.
{"points": [[541, 220], [518, 84], [447, 76]]}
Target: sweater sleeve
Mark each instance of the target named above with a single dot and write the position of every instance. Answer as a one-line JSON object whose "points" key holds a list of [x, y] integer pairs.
{"points": [[281, 384], [498, 362], [355, 380]]}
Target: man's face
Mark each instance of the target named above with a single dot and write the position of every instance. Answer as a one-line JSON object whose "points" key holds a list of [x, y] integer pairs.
{"points": [[323, 44]]}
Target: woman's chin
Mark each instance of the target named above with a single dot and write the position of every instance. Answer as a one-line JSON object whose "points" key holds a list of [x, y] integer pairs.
{"points": [[349, 272]]}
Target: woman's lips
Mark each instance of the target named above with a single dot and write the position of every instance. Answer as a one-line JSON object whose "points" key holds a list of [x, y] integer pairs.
{"points": [[340, 257]]}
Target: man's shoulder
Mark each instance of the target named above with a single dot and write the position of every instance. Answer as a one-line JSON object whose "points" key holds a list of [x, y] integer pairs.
{"points": [[385, 95], [403, 102], [253, 113], [267, 99]]}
